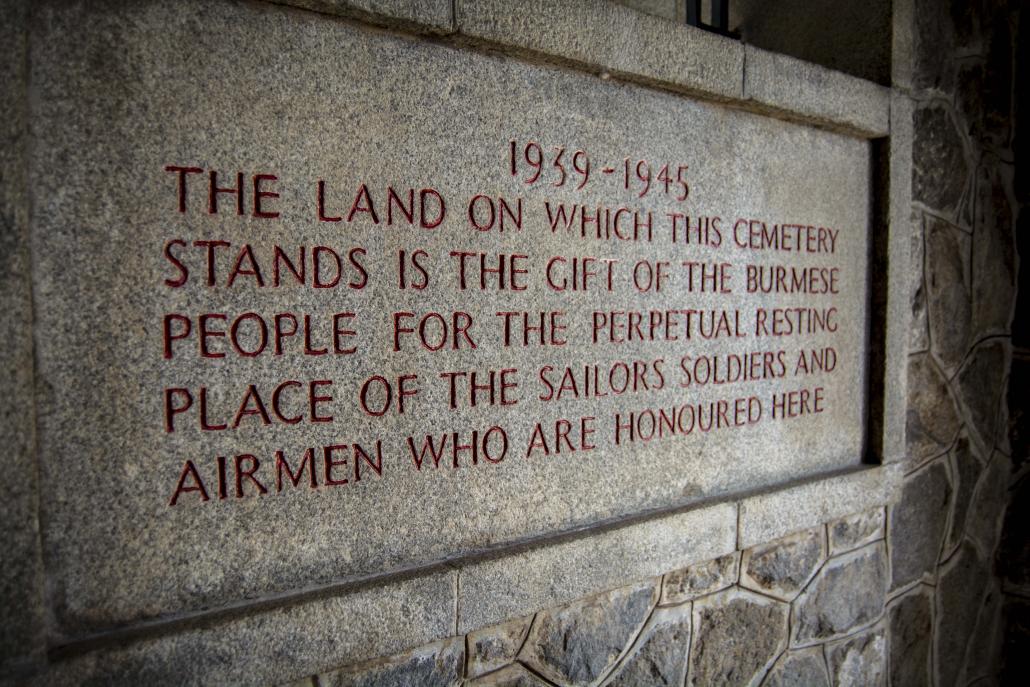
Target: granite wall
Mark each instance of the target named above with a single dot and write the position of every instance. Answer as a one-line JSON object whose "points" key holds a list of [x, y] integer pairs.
{"points": [[919, 593]]}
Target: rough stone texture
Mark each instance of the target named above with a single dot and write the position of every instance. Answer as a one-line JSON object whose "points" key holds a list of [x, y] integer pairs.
{"points": [[432, 16], [859, 661], [994, 269], [966, 469], [319, 634], [782, 568], [577, 644], [659, 656], [666, 9], [984, 655], [947, 292], [856, 530], [815, 93], [988, 504], [613, 39], [919, 519], [495, 647], [846, 594], [919, 334], [981, 385], [939, 162], [959, 595], [21, 577], [514, 675], [700, 579], [911, 638], [493, 590], [737, 634], [438, 665], [773, 515], [932, 422], [796, 668]]}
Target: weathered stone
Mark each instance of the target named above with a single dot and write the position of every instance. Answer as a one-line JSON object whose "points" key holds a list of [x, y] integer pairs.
{"points": [[947, 288], [847, 593], [494, 647], [939, 165], [919, 332], [514, 675], [577, 644], [931, 420], [918, 521], [911, 637], [934, 38], [659, 656], [433, 16], [436, 665], [783, 567], [966, 469], [981, 384], [859, 661], [800, 668], [988, 504], [856, 530], [303, 682], [994, 256], [700, 579], [984, 654], [959, 593], [737, 634]]}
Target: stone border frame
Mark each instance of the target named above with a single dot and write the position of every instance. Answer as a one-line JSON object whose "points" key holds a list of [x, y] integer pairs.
{"points": [[396, 610]]}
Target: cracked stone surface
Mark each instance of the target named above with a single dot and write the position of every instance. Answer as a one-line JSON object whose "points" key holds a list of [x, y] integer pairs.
{"points": [[856, 530], [736, 635], [700, 579], [847, 593], [804, 667], [938, 159], [911, 636], [980, 384], [659, 656], [949, 304], [494, 647], [578, 643], [514, 675], [436, 665], [966, 469], [859, 661], [958, 604], [931, 421], [781, 568]]}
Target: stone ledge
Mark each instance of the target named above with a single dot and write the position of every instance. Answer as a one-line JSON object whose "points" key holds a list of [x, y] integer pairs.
{"points": [[815, 94], [495, 590], [775, 514], [421, 16], [605, 37]]}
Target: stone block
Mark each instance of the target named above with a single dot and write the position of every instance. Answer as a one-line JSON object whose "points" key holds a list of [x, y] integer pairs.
{"points": [[965, 468], [816, 94], [983, 523], [959, 594], [938, 158], [783, 567], [514, 675], [495, 647], [659, 655], [932, 422], [700, 579], [435, 665], [493, 590], [848, 592], [737, 636], [800, 667], [608, 38], [856, 530], [949, 304], [994, 256], [123, 91], [578, 644], [917, 523], [429, 16], [911, 638], [981, 386], [277, 645], [919, 336], [859, 661]]}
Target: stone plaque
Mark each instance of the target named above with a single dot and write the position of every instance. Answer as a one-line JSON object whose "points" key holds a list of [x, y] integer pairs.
{"points": [[318, 303]]}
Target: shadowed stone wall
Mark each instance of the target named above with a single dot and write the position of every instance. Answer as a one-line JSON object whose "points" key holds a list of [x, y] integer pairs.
{"points": [[918, 593]]}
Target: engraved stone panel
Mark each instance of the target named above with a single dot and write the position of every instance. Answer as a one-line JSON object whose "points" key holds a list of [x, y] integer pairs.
{"points": [[316, 303]]}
